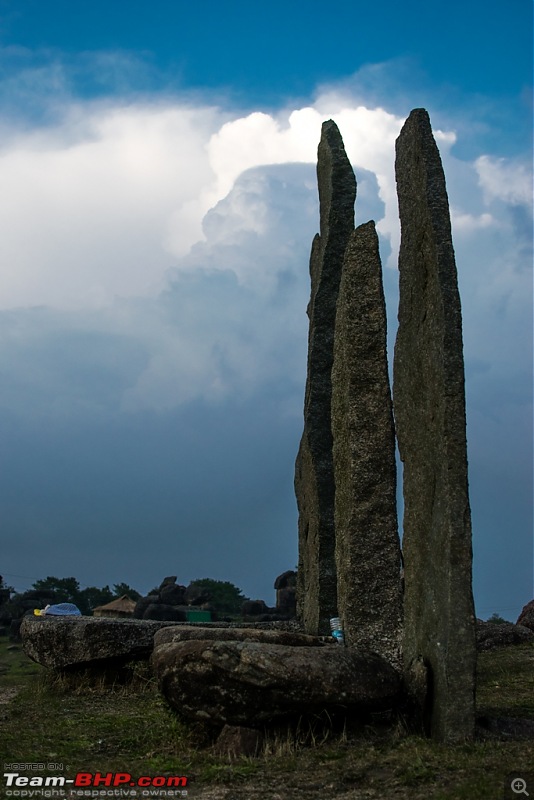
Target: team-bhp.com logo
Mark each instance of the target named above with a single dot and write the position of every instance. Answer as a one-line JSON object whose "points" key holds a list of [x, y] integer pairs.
{"points": [[89, 784]]}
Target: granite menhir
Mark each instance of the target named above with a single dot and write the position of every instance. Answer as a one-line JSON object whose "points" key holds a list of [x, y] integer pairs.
{"points": [[429, 405], [367, 541], [314, 473]]}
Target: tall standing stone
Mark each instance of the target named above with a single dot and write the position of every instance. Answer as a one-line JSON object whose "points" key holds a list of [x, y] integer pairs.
{"points": [[314, 473], [367, 540], [429, 403]]}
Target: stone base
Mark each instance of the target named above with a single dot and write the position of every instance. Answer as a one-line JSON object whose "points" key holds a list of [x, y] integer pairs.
{"points": [[252, 682]]}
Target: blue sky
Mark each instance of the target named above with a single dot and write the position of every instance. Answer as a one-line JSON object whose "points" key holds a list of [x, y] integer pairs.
{"points": [[265, 51], [159, 202]]}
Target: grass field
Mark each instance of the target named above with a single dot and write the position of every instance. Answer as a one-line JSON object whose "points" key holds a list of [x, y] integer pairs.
{"points": [[97, 727]]}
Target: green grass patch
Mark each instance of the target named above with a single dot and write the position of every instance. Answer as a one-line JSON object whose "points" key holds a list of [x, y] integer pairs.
{"points": [[505, 681], [15, 666]]}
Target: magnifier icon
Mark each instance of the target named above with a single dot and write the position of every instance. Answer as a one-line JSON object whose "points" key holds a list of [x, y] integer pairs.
{"points": [[519, 786]]}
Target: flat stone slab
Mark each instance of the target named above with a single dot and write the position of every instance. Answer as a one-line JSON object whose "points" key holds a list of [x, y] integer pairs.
{"points": [[59, 642], [289, 638], [252, 682]]}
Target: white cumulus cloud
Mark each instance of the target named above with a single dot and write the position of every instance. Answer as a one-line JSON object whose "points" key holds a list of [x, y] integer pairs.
{"points": [[504, 179], [86, 206], [101, 203]]}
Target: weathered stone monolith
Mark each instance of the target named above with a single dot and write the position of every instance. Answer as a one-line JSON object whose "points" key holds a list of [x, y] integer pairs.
{"points": [[367, 542], [429, 404], [314, 473]]}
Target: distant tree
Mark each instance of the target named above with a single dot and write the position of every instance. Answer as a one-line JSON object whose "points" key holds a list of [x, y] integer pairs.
{"points": [[224, 596], [91, 597], [5, 587], [496, 619], [122, 588], [67, 590]]}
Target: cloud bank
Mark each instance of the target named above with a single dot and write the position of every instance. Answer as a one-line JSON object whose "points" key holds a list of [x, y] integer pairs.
{"points": [[153, 349]]}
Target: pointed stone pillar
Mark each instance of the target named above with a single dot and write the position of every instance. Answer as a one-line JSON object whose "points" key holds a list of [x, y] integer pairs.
{"points": [[314, 473], [367, 541], [429, 403]]}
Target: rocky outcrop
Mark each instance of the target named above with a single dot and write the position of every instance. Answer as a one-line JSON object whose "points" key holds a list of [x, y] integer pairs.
{"points": [[252, 682], [429, 403], [162, 611], [367, 542], [61, 642], [169, 595], [172, 594], [526, 616], [196, 595], [314, 472], [172, 601], [285, 608], [143, 603], [286, 593], [492, 635], [254, 609]]}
